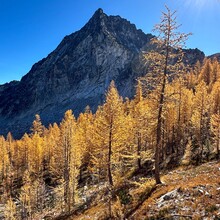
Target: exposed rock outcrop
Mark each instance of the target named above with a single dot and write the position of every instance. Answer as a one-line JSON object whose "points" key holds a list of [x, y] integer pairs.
{"points": [[216, 55], [77, 73]]}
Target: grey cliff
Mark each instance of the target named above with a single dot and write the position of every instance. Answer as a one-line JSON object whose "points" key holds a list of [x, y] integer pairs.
{"points": [[77, 73]]}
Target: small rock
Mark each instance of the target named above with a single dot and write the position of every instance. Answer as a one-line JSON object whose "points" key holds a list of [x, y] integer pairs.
{"points": [[160, 205], [207, 194], [200, 191], [168, 196]]}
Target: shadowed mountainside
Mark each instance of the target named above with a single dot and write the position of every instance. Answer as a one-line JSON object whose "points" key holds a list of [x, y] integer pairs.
{"points": [[78, 72]]}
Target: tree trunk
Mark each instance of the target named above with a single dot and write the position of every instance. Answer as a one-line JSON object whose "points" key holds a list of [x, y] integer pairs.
{"points": [[218, 148], [109, 156], [159, 133], [139, 151], [66, 175], [110, 205]]}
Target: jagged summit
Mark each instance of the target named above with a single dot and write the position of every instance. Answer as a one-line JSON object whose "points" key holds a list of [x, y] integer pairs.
{"points": [[77, 73], [99, 13], [97, 20]]}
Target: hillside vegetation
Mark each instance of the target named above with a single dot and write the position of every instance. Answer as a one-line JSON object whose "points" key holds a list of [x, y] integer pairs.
{"points": [[55, 170], [187, 192], [101, 165]]}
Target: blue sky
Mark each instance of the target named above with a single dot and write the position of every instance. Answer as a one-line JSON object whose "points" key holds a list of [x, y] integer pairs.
{"points": [[31, 29]]}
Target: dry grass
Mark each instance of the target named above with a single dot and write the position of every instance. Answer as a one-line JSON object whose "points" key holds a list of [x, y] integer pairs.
{"points": [[200, 190], [95, 213], [198, 196]]}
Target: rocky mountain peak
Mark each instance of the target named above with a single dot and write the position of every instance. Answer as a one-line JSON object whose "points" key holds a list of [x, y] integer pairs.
{"points": [[77, 73], [97, 21], [99, 14]]}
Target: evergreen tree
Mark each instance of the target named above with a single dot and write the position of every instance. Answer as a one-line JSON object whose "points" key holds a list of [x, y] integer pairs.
{"points": [[206, 72], [54, 151], [10, 210], [215, 70], [215, 127], [84, 140], [161, 66], [215, 98], [71, 157], [37, 127], [141, 120], [201, 118], [110, 140]]}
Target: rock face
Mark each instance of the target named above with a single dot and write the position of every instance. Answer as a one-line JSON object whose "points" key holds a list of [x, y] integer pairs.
{"points": [[216, 55], [77, 73]]}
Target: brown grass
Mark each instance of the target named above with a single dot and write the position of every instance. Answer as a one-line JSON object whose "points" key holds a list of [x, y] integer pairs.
{"points": [[187, 179]]}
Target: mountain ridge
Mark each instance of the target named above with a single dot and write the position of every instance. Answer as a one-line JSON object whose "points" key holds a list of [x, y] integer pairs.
{"points": [[77, 73]]}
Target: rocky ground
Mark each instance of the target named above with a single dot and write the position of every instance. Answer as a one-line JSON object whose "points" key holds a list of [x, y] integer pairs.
{"points": [[186, 193]]}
